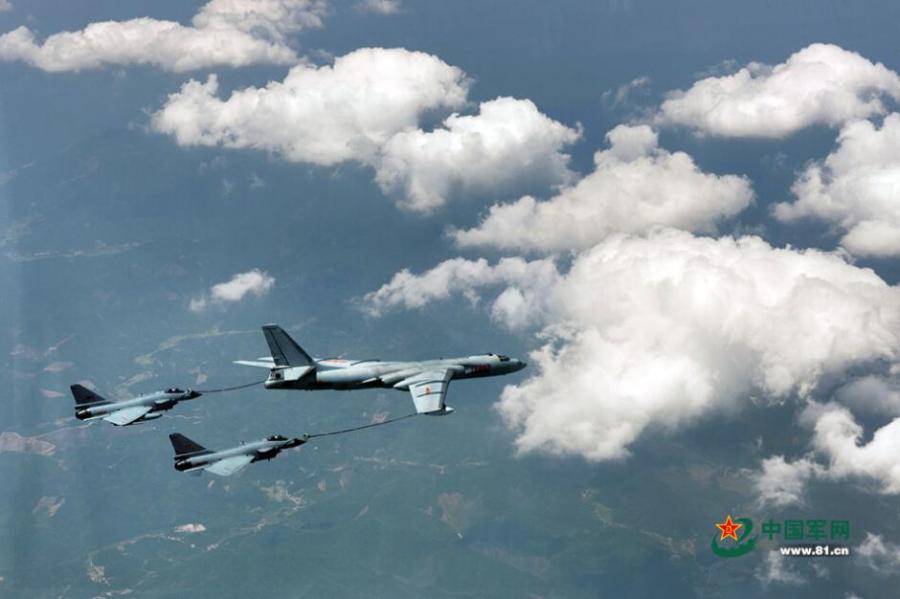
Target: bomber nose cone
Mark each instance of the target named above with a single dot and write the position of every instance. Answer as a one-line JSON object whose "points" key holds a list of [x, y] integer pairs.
{"points": [[191, 394], [520, 365]]}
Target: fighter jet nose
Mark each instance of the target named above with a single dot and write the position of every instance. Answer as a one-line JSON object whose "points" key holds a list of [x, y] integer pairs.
{"points": [[521, 365], [191, 394]]}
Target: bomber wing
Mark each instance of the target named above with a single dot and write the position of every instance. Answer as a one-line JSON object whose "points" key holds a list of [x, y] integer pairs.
{"points": [[127, 415], [428, 389], [229, 466]]}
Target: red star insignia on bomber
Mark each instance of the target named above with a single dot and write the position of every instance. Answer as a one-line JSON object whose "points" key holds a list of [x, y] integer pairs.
{"points": [[728, 528]]}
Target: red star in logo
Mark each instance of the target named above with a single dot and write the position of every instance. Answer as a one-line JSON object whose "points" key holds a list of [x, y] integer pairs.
{"points": [[729, 528]]}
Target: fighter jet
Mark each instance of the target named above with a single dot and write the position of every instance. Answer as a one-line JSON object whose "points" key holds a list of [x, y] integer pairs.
{"points": [[90, 406], [290, 367], [193, 457]]}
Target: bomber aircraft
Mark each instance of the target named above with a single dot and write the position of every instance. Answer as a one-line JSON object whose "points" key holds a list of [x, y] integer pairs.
{"points": [[90, 406], [290, 367], [194, 458]]}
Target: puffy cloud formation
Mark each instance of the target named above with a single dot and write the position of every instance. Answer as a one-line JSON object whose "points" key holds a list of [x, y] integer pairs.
{"points": [[635, 186], [321, 115], [272, 19], [836, 439], [838, 436], [879, 554], [253, 282], [654, 332], [516, 307], [820, 84], [622, 94], [367, 108], [778, 569], [856, 188], [381, 7], [509, 143], [781, 483], [871, 394], [224, 33]]}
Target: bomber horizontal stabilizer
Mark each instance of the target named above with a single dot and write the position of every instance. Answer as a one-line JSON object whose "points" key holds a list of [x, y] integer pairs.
{"points": [[256, 363]]}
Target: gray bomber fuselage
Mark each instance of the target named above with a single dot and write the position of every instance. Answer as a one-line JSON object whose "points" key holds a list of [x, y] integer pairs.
{"points": [[364, 374], [427, 381]]}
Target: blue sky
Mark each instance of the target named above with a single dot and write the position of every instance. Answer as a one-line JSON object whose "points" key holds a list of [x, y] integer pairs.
{"points": [[684, 216]]}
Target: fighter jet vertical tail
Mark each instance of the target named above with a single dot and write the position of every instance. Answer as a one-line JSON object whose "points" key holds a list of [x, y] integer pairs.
{"points": [[85, 397], [185, 447], [285, 351]]}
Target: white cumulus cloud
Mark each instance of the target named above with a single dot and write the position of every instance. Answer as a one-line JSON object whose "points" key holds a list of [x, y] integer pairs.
{"points": [[253, 282], [517, 307], [654, 332], [871, 394], [509, 144], [367, 108], [622, 94], [879, 554], [381, 7], [223, 33], [838, 454], [635, 186], [782, 483], [777, 569], [820, 84], [838, 437], [856, 189], [320, 115]]}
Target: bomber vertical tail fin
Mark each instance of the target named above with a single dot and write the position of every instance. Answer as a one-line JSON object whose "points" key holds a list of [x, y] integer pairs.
{"points": [[285, 351]]}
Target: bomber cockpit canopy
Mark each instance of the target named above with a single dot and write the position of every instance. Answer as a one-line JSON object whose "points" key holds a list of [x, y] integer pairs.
{"points": [[276, 438], [174, 390], [501, 357]]}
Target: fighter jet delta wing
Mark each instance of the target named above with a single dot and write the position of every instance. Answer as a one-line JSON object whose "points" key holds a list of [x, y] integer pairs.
{"points": [[126, 416], [428, 390], [229, 466]]}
